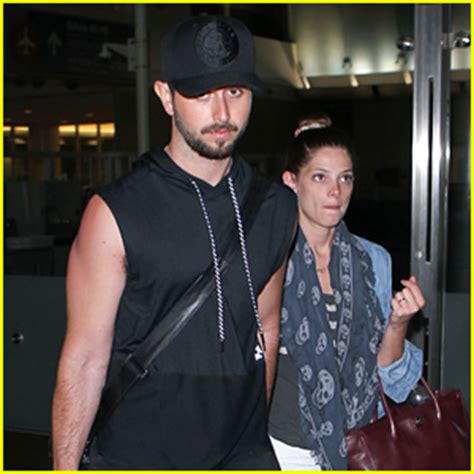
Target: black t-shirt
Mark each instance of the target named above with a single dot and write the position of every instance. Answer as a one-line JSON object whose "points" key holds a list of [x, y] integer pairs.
{"points": [[198, 405]]}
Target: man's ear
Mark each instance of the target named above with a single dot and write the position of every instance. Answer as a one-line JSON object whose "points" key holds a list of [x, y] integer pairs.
{"points": [[163, 91], [289, 179]]}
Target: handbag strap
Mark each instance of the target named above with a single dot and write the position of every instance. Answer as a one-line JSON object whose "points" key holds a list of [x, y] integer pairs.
{"points": [[393, 430], [171, 324]]}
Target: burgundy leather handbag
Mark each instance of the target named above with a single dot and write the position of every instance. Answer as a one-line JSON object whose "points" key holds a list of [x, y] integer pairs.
{"points": [[434, 435]]}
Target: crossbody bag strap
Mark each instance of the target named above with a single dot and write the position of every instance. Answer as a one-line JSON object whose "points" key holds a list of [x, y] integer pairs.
{"points": [[170, 325]]}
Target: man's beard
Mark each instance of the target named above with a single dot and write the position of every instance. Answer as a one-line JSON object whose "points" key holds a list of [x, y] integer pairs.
{"points": [[221, 148]]}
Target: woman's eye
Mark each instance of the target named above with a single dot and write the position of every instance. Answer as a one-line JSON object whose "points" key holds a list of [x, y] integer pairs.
{"points": [[347, 178], [319, 177]]}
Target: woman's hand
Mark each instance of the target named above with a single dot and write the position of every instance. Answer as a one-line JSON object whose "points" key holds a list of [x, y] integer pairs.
{"points": [[406, 303]]}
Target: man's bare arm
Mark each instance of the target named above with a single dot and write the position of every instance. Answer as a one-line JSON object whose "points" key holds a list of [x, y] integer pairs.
{"points": [[95, 280], [269, 305]]}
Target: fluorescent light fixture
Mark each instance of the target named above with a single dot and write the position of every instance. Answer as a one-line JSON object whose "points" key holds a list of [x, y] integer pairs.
{"points": [[67, 130], [107, 130], [21, 130], [88, 129]]}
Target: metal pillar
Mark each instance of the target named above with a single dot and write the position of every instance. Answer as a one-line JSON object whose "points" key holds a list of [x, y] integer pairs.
{"points": [[141, 75], [431, 152]]}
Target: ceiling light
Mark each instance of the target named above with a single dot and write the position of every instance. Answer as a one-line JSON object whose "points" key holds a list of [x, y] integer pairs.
{"points": [[303, 77], [347, 66], [353, 80], [407, 77], [462, 39], [405, 43], [402, 61], [306, 83]]}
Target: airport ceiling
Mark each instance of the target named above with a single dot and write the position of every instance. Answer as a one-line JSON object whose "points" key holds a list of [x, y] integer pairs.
{"points": [[54, 52]]}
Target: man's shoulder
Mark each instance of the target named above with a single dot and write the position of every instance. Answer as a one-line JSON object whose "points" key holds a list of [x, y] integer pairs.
{"points": [[283, 190], [277, 190], [283, 197], [279, 209]]}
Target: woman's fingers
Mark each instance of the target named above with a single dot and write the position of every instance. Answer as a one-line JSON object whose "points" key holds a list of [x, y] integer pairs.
{"points": [[412, 292], [407, 301]]}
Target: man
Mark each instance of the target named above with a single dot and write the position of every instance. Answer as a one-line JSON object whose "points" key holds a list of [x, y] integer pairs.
{"points": [[142, 241]]}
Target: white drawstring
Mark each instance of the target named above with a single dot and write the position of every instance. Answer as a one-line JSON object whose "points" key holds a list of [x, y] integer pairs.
{"points": [[217, 271], [243, 247], [216, 262]]}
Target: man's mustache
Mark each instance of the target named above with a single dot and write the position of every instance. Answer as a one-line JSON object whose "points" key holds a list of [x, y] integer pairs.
{"points": [[217, 127]]}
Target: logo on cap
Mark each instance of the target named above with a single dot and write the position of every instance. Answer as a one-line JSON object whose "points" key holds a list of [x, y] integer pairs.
{"points": [[217, 44]]}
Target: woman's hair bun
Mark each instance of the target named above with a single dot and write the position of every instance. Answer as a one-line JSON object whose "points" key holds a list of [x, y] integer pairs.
{"points": [[313, 122]]}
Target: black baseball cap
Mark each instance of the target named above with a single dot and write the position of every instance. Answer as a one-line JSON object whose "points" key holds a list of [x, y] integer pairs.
{"points": [[208, 52]]}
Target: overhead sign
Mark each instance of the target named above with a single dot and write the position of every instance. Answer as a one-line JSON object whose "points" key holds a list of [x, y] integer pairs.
{"points": [[39, 43]]}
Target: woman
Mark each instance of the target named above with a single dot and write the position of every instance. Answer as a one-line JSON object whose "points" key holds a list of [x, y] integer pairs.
{"points": [[340, 325]]}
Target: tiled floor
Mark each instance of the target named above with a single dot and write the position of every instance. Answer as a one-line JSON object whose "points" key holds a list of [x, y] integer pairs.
{"points": [[25, 452]]}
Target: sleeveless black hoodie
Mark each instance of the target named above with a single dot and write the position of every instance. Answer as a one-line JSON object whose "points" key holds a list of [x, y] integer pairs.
{"points": [[199, 405]]}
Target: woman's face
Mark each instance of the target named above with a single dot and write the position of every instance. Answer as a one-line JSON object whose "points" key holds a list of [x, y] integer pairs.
{"points": [[323, 186]]}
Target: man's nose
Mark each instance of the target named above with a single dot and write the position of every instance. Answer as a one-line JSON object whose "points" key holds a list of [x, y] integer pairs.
{"points": [[220, 111]]}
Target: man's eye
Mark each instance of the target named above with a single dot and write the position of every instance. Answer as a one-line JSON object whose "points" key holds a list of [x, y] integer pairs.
{"points": [[235, 92]]}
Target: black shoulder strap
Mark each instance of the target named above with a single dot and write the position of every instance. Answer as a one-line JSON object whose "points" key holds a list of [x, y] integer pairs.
{"points": [[172, 323]]}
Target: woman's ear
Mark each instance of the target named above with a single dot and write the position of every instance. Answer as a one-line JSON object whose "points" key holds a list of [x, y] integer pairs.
{"points": [[163, 91], [289, 179]]}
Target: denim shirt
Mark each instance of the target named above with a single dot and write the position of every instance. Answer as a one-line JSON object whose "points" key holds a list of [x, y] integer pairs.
{"points": [[400, 377]]}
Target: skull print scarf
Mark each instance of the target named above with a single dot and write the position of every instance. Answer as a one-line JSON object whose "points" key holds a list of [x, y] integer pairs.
{"points": [[337, 385]]}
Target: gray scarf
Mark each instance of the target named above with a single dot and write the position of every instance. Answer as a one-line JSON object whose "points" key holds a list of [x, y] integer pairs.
{"points": [[337, 385]]}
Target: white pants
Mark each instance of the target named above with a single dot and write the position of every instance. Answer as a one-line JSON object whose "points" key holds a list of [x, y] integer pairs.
{"points": [[292, 458]]}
